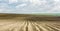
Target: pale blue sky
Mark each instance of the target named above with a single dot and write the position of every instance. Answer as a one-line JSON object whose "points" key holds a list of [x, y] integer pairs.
{"points": [[29, 6]]}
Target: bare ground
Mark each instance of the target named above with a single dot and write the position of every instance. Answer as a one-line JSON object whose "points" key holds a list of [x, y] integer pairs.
{"points": [[14, 22]]}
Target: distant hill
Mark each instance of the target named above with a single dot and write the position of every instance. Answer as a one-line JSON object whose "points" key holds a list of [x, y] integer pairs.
{"points": [[48, 14], [33, 17]]}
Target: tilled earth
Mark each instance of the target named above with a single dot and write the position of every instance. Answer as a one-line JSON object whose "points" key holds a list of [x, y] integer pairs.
{"points": [[30, 24]]}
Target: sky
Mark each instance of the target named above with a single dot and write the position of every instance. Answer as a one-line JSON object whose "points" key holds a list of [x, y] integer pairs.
{"points": [[29, 6]]}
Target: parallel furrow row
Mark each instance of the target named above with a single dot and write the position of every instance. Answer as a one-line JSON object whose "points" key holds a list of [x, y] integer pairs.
{"points": [[30, 26]]}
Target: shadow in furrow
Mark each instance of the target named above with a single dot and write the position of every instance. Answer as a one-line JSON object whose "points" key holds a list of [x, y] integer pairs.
{"points": [[11, 29], [6, 27], [6, 24], [30, 28], [23, 27], [27, 26], [57, 24], [52, 28], [54, 25], [14, 27], [33, 26], [37, 27], [48, 28]]}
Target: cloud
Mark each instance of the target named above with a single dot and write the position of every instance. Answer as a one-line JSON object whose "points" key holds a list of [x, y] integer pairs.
{"points": [[21, 5], [30, 6], [56, 0], [12, 1]]}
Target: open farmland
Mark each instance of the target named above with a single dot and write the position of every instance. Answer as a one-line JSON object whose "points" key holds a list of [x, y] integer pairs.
{"points": [[28, 22]]}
